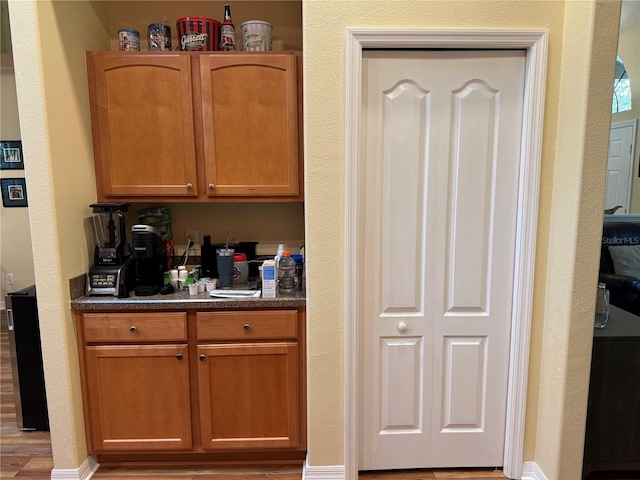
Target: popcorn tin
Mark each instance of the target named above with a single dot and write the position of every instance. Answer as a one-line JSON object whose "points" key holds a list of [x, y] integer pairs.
{"points": [[256, 36], [159, 36], [129, 39], [198, 33]]}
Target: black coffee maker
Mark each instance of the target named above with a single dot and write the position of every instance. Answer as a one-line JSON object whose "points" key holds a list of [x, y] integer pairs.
{"points": [[150, 254]]}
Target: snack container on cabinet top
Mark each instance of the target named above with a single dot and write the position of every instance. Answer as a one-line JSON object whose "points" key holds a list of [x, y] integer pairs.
{"points": [[198, 33], [129, 39], [159, 37], [256, 36]]}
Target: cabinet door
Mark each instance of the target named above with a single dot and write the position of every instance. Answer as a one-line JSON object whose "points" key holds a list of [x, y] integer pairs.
{"points": [[143, 126], [249, 395], [138, 398], [250, 124]]}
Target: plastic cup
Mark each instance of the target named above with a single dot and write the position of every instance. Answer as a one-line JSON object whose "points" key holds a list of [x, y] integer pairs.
{"points": [[193, 289], [224, 259]]}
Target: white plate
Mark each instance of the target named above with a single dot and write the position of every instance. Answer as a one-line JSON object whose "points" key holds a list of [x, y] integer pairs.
{"points": [[235, 293]]}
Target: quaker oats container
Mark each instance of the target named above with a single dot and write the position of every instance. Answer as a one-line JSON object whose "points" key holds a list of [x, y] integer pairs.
{"points": [[256, 36], [198, 33], [129, 39], [159, 37]]}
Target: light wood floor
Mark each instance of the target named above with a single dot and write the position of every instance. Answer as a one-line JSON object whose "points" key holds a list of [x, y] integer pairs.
{"points": [[25, 455]]}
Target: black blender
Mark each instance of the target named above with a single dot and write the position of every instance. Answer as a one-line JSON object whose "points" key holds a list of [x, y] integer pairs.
{"points": [[112, 272]]}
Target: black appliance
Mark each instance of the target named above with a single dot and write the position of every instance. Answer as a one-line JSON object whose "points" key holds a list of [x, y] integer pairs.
{"points": [[150, 254], [112, 270], [26, 360]]}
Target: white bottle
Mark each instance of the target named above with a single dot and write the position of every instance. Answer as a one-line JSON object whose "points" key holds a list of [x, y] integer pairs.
{"points": [[278, 256], [279, 252]]}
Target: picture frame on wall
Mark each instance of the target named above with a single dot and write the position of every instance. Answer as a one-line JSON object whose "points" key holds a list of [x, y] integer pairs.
{"points": [[11, 155], [14, 192]]}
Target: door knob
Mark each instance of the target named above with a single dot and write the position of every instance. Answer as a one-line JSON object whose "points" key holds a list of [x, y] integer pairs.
{"points": [[132, 329], [211, 186], [202, 357], [189, 186], [179, 356], [402, 327], [247, 327]]}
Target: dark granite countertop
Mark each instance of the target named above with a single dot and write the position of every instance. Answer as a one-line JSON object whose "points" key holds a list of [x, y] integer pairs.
{"points": [[183, 300], [180, 300]]}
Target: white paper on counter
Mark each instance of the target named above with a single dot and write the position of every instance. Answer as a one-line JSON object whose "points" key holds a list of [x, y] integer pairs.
{"points": [[235, 293]]}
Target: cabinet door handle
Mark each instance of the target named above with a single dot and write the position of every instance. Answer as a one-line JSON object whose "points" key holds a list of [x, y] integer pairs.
{"points": [[132, 329], [402, 327], [179, 356], [189, 186], [247, 327], [202, 357], [211, 186]]}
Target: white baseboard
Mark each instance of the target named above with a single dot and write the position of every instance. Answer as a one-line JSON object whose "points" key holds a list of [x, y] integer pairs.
{"points": [[84, 472], [309, 472], [531, 471]]}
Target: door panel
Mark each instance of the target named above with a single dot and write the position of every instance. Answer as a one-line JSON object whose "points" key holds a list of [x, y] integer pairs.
{"points": [[403, 191], [465, 379], [442, 153], [401, 408]]}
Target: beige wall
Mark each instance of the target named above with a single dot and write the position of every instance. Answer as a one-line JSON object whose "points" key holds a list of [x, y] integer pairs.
{"points": [[563, 309], [56, 131], [15, 234]]}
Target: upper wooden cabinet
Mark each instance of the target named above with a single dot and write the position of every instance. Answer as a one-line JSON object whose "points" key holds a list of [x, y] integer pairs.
{"points": [[250, 123], [143, 125], [195, 126]]}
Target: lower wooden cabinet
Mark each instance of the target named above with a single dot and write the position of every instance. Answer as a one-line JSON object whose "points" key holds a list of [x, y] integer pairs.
{"points": [[138, 397], [249, 395], [193, 382]]}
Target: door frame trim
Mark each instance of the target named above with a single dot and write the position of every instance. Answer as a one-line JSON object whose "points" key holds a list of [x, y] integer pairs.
{"points": [[535, 42]]}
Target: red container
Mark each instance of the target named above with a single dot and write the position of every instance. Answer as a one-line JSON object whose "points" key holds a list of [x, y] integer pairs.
{"points": [[198, 33]]}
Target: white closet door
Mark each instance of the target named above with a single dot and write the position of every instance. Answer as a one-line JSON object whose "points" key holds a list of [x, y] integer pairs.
{"points": [[442, 148], [620, 166]]}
